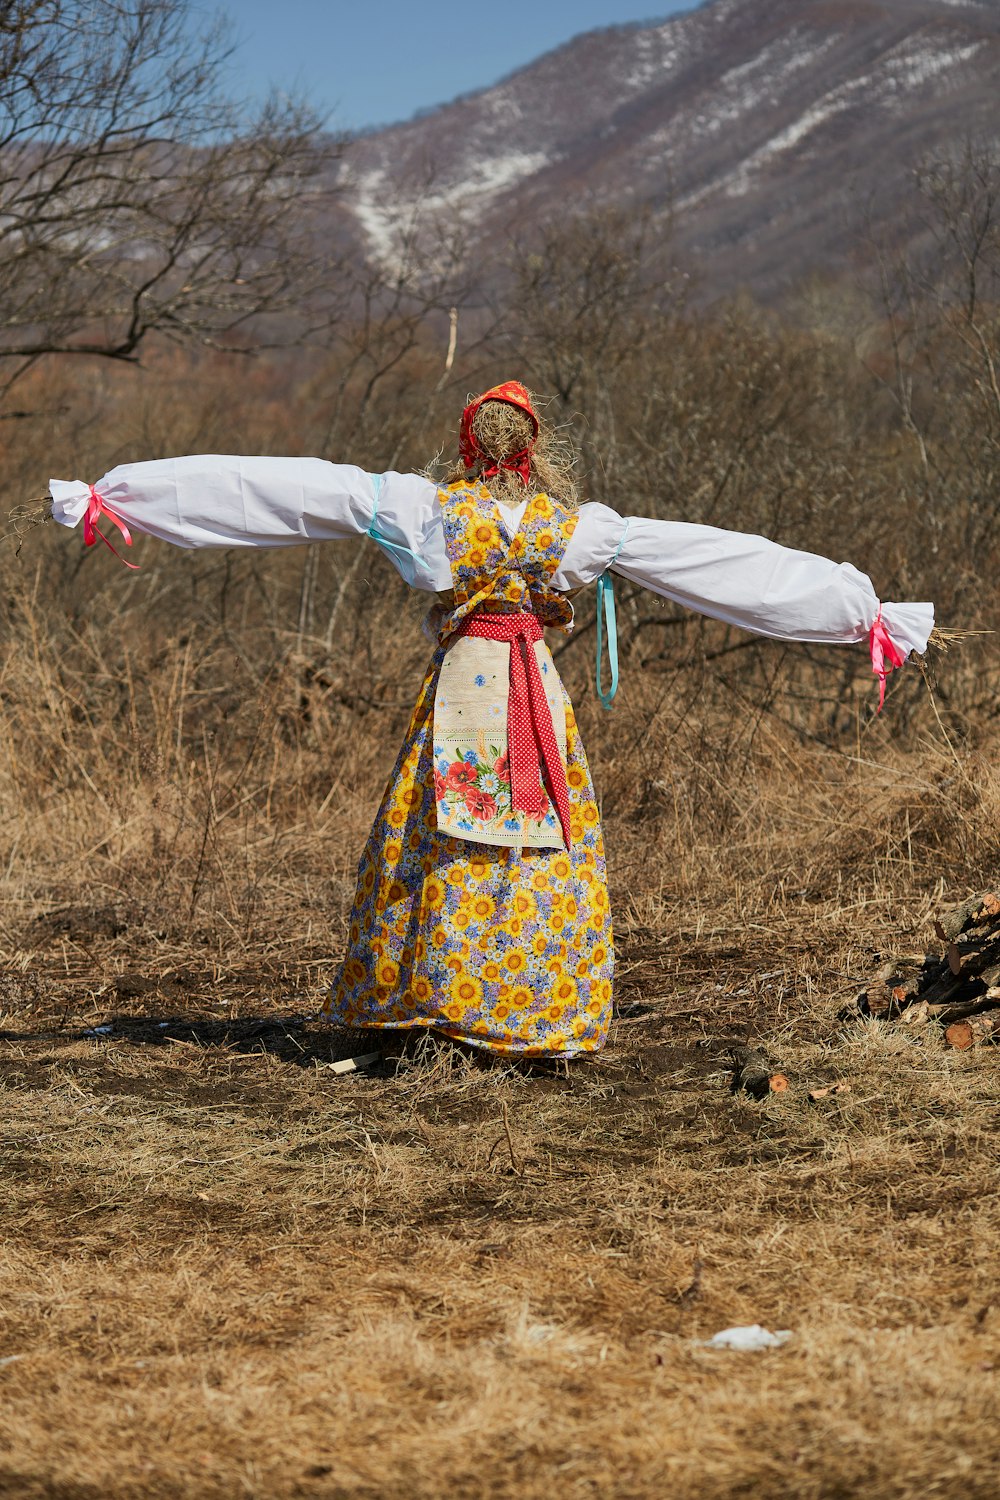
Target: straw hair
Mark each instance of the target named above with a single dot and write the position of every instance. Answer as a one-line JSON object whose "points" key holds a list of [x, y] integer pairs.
{"points": [[23, 518], [942, 638], [502, 430]]}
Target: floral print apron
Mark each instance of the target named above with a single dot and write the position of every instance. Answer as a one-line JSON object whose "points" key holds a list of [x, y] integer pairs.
{"points": [[492, 934]]}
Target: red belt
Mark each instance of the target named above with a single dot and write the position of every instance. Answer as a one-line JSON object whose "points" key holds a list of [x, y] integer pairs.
{"points": [[531, 735]]}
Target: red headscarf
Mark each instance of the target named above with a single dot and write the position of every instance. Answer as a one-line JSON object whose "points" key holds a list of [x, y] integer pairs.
{"points": [[513, 392]]}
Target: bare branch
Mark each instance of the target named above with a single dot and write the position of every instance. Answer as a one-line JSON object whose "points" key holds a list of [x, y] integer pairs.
{"points": [[136, 197]]}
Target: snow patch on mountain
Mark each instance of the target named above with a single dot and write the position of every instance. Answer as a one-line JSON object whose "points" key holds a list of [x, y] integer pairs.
{"points": [[383, 211], [915, 62], [504, 106], [760, 81], [905, 68], [646, 67]]}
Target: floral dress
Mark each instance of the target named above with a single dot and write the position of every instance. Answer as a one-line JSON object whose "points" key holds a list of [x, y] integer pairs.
{"points": [[468, 918]]}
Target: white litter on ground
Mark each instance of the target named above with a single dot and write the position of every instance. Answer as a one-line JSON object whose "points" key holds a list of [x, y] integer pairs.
{"points": [[751, 1337], [352, 1064]]}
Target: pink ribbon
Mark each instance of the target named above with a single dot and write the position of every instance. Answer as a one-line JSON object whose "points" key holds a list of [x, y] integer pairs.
{"points": [[91, 531], [883, 651]]}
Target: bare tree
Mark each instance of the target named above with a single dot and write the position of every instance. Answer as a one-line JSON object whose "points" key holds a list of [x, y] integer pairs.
{"points": [[582, 290], [135, 196], [940, 298], [964, 196]]}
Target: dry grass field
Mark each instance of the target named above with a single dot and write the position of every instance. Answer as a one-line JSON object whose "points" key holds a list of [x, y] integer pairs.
{"points": [[229, 1271]]}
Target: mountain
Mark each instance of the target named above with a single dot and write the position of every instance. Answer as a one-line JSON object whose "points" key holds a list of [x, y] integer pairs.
{"points": [[766, 128]]}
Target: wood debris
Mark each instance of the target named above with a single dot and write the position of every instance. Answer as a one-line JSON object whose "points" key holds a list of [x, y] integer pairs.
{"points": [[754, 1073], [981, 1028], [830, 1091], [959, 989]]}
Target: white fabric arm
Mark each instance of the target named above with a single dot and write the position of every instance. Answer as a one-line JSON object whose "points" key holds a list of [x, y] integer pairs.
{"points": [[740, 579], [219, 501]]}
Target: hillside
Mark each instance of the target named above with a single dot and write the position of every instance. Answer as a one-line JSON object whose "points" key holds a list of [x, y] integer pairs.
{"points": [[768, 128]]}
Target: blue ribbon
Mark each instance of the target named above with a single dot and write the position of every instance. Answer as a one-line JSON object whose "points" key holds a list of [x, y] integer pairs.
{"points": [[379, 537], [606, 609], [606, 612]]}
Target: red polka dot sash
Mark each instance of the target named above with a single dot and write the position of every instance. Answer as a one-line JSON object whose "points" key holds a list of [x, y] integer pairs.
{"points": [[531, 735]]}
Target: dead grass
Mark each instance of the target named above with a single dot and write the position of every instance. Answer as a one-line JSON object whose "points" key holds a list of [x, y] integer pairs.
{"points": [[229, 1272], [226, 1273]]}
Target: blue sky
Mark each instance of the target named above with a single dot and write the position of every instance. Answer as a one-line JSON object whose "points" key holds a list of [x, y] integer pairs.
{"points": [[374, 61]]}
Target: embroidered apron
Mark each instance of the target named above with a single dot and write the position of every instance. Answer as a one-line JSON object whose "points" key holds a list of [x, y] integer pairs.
{"points": [[499, 750]]}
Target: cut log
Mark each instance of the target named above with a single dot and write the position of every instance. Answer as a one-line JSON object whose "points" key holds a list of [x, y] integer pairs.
{"points": [[887, 999], [985, 907], [945, 988], [982, 1028], [958, 989], [975, 951], [959, 1009], [754, 1073]]}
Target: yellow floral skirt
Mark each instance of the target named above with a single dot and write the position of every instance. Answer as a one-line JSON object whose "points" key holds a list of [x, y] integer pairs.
{"points": [[507, 948]]}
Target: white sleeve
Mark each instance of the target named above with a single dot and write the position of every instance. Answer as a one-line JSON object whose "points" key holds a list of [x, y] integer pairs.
{"points": [[214, 500], [743, 580]]}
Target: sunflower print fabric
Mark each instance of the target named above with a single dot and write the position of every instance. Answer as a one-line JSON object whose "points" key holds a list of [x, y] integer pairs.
{"points": [[492, 571], [507, 948]]}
